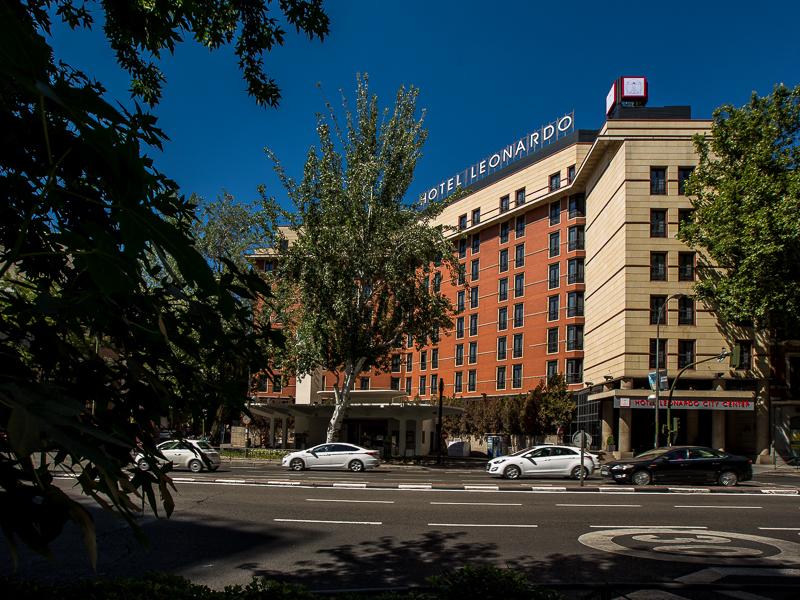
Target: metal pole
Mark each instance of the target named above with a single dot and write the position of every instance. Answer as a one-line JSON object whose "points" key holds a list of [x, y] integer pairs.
{"points": [[583, 446], [439, 423], [658, 362]]}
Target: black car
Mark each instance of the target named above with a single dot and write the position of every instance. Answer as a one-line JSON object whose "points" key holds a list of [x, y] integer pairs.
{"points": [[681, 464]]}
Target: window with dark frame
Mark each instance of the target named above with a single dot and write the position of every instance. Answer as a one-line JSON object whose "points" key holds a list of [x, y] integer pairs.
{"points": [[460, 327], [408, 386], [658, 266], [409, 361], [473, 324], [683, 176], [475, 269], [685, 310], [570, 173], [576, 238], [577, 206], [476, 242], [685, 216], [519, 285], [459, 355], [503, 266], [435, 358], [516, 376], [505, 227], [686, 266], [395, 363], [553, 276], [520, 197], [459, 382], [744, 348], [575, 270], [574, 370], [685, 353], [658, 181], [503, 290], [471, 380], [517, 346], [462, 222], [501, 378], [555, 181], [552, 340], [555, 244], [462, 248], [434, 383], [658, 222], [519, 314], [476, 216], [423, 360], [502, 318], [662, 354], [504, 204], [575, 304], [423, 380], [555, 212], [552, 308], [437, 281], [473, 297], [574, 337], [395, 384], [519, 226], [462, 273], [277, 384], [502, 346], [363, 383], [552, 369], [656, 304], [519, 255], [460, 300]]}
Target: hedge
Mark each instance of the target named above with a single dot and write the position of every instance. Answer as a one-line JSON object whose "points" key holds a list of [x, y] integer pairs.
{"points": [[259, 453]]}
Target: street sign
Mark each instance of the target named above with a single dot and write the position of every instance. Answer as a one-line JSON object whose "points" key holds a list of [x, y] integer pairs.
{"points": [[576, 438]]}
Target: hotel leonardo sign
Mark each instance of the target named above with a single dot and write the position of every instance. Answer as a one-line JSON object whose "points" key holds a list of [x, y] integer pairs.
{"points": [[687, 403], [524, 146]]}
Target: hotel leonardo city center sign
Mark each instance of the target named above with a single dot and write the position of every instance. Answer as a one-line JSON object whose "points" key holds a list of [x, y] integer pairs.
{"points": [[686, 403], [524, 146]]}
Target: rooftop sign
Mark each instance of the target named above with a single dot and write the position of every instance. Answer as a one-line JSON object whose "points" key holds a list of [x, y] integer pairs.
{"points": [[530, 144]]}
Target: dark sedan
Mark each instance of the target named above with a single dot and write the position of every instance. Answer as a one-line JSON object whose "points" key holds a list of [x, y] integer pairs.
{"points": [[681, 464]]}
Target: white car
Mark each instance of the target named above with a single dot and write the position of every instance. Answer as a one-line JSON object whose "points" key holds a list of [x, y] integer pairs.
{"points": [[186, 454], [560, 461], [333, 456]]}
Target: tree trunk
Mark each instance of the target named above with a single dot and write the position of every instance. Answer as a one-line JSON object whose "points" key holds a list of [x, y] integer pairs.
{"points": [[342, 399]]}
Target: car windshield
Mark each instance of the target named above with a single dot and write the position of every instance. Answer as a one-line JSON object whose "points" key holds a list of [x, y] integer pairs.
{"points": [[654, 453], [204, 445], [524, 451]]}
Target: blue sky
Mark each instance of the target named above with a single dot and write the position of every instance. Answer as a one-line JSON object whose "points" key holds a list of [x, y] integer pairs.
{"points": [[488, 73]]}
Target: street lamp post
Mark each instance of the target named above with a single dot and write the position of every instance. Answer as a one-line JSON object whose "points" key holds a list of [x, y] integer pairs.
{"points": [[439, 424], [658, 363], [719, 358]]}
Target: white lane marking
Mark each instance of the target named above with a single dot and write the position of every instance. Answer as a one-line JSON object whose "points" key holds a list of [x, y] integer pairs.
{"points": [[479, 503], [648, 526], [737, 506], [548, 490], [329, 522], [479, 488], [780, 528], [604, 505], [415, 486], [284, 482], [230, 481], [616, 489], [351, 501], [477, 525], [678, 490], [780, 492], [350, 485], [188, 478]]}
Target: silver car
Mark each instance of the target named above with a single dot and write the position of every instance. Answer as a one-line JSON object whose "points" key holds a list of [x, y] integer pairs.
{"points": [[185, 454], [333, 456], [559, 461]]}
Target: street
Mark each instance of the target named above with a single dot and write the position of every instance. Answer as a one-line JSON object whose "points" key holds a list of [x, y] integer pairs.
{"points": [[327, 530]]}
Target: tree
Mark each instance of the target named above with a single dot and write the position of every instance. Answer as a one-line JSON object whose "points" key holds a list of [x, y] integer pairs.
{"points": [[746, 195], [111, 318], [356, 279], [556, 407]]}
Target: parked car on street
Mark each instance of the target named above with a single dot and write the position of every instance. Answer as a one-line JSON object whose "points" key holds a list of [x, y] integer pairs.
{"points": [[333, 456], [681, 464], [560, 461], [184, 454]]}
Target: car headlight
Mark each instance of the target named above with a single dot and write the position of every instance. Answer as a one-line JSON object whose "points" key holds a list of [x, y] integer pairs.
{"points": [[498, 461], [621, 467]]}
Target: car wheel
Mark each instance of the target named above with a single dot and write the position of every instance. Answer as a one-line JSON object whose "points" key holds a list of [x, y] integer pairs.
{"points": [[576, 472], [143, 465], [728, 478], [512, 472], [297, 464], [356, 466], [195, 466], [641, 478]]}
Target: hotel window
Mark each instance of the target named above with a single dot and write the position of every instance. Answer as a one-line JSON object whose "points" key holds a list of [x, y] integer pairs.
{"points": [[476, 216], [502, 318], [576, 238], [437, 281], [519, 255], [409, 361], [685, 216], [552, 340], [552, 369], [743, 350], [277, 384], [662, 354], [658, 222], [408, 386], [519, 285], [574, 370], [686, 266], [575, 270], [504, 204], [409, 342], [395, 363], [516, 376], [503, 289], [460, 300], [519, 313], [555, 213], [473, 324], [473, 352], [658, 181], [475, 269], [268, 266], [574, 337], [435, 335], [435, 358], [459, 383], [683, 176], [685, 353], [422, 384], [577, 206], [459, 354], [504, 260], [471, 379], [501, 347], [504, 229], [434, 383], [685, 310], [501, 378], [656, 306], [658, 266], [520, 197], [520, 226], [476, 243], [553, 276], [462, 273], [555, 244], [473, 297], [570, 173], [460, 327], [516, 350], [426, 282], [552, 308], [555, 181], [395, 384], [363, 383], [423, 360], [462, 221], [575, 304], [462, 248]]}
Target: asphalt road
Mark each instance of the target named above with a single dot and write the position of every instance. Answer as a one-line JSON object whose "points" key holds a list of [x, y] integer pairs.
{"points": [[342, 537]]}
